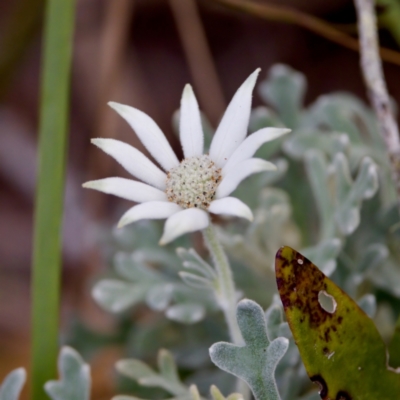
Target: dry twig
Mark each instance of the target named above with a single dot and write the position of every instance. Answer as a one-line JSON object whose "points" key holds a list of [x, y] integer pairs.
{"points": [[371, 66], [292, 16], [199, 58]]}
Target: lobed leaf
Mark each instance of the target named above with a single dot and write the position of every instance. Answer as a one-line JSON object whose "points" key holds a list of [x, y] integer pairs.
{"points": [[75, 380], [117, 296], [254, 362], [166, 379]]}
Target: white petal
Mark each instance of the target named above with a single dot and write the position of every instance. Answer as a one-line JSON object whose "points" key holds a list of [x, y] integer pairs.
{"points": [[189, 220], [135, 162], [233, 127], [149, 210], [127, 189], [149, 134], [239, 172], [191, 132], [251, 144], [231, 206]]}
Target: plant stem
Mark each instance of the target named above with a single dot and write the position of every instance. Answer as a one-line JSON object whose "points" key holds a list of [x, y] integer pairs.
{"points": [[226, 285], [50, 189], [226, 294], [371, 66]]}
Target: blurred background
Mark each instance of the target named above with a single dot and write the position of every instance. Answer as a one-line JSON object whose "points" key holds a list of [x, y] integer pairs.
{"points": [[141, 53]]}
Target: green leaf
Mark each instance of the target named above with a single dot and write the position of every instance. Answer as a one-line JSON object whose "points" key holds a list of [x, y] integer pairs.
{"points": [[390, 16], [254, 362], [167, 379], [394, 347], [75, 381], [117, 296], [12, 385], [341, 350]]}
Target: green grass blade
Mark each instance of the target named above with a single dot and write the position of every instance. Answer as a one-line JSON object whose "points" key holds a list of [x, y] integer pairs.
{"points": [[56, 67]]}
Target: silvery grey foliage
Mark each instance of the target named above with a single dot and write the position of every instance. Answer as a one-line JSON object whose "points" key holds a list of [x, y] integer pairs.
{"points": [[74, 383], [139, 279], [75, 380], [331, 198], [254, 362], [167, 378], [12, 385]]}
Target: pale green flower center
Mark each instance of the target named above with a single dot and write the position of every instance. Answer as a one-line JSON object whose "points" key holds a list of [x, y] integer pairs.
{"points": [[193, 182]]}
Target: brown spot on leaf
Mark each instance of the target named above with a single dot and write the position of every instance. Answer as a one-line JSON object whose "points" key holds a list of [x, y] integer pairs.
{"points": [[342, 395], [323, 388], [300, 288]]}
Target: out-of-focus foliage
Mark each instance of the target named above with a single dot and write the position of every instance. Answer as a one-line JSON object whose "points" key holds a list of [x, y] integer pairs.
{"points": [[389, 16], [74, 383], [74, 380], [332, 198], [11, 387]]}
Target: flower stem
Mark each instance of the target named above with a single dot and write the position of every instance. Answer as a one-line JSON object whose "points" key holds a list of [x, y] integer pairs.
{"points": [[226, 294], [226, 285]]}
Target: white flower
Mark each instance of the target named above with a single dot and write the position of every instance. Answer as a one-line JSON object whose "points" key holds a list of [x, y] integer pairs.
{"points": [[189, 190]]}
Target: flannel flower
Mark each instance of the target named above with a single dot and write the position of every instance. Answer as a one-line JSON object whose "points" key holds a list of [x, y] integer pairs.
{"points": [[186, 192]]}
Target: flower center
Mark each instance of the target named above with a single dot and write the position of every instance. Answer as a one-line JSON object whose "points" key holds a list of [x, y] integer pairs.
{"points": [[193, 182]]}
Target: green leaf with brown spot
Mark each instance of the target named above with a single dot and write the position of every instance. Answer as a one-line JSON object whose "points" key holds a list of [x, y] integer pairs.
{"points": [[394, 347], [342, 351]]}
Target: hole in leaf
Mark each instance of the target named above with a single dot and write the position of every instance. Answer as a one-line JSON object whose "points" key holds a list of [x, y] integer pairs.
{"points": [[327, 302]]}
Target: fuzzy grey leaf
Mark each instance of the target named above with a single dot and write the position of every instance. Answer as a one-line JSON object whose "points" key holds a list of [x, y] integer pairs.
{"points": [[373, 256], [368, 304], [159, 296], [167, 379], [12, 385], [134, 270], [317, 172], [196, 281], [217, 395], [324, 254], [256, 361], [284, 89], [75, 381], [116, 296], [191, 260], [297, 145], [274, 319], [187, 313]]}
